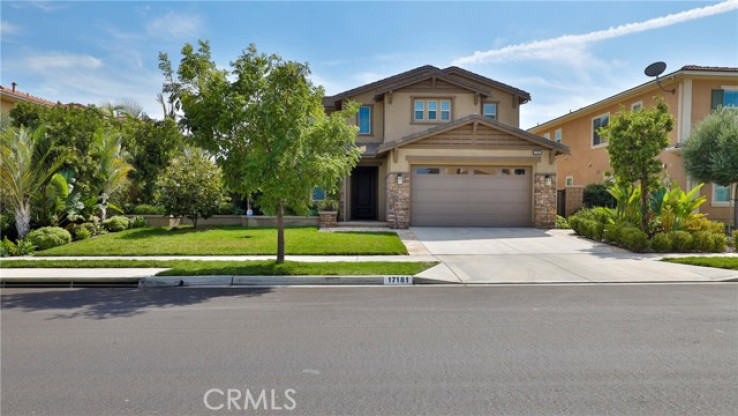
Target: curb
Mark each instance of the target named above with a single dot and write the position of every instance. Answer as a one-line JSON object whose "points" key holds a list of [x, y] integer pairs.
{"points": [[247, 281]]}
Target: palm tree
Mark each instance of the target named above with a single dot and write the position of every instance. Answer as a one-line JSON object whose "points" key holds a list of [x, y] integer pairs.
{"points": [[111, 164], [26, 165]]}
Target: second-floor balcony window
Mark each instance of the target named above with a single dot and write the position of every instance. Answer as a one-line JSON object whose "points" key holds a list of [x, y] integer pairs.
{"points": [[427, 110], [365, 120]]}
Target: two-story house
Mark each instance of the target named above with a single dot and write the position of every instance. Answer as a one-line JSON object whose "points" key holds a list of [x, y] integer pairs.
{"points": [[10, 96], [442, 147], [691, 93]]}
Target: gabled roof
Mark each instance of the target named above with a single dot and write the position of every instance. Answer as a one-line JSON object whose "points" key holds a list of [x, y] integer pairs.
{"points": [[475, 118], [24, 96], [428, 71]]}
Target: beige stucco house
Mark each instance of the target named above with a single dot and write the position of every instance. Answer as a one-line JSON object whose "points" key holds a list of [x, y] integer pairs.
{"points": [[696, 92], [10, 96], [442, 147]]}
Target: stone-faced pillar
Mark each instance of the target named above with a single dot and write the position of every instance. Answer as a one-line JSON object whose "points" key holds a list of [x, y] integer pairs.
{"points": [[398, 200], [544, 200]]}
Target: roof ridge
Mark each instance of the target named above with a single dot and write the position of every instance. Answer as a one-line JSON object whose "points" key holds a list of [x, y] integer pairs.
{"points": [[26, 95]]}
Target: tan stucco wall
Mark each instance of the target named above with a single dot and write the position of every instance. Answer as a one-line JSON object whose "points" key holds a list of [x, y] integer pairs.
{"points": [[402, 165], [377, 133], [587, 164], [6, 105]]}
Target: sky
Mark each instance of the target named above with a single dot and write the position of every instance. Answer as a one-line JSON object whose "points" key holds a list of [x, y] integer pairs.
{"points": [[565, 54]]}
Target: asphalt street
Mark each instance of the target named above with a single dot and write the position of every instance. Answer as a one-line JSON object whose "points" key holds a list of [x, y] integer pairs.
{"points": [[518, 350]]}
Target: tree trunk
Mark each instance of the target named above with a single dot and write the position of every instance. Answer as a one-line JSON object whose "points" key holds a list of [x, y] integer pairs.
{"points": [[644, 204], [103, 207], [194, 222], [280, 233], [23, 219]]}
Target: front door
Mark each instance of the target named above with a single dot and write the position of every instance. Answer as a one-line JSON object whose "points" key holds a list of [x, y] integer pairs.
{"points": [[364, 193]]}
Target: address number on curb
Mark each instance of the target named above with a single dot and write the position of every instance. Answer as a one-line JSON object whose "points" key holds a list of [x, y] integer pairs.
{"points": [[398, 280]]}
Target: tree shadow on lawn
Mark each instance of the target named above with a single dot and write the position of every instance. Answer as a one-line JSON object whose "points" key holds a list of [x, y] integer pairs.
{"points": [[159, 232], [116, 302]]}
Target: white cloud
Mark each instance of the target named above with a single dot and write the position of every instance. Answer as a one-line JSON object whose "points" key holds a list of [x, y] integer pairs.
{"points": [[44, 6], [573, 47], [175, 26], [8, 28], [56, 60]]}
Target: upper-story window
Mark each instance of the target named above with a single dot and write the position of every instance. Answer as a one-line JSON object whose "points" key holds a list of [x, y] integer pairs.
{"points": [[598, 122], [489, 110], [720, 195], [726, 97], [427, 109], [637, 106], [557, 135], [547, 135], [365, 119]]}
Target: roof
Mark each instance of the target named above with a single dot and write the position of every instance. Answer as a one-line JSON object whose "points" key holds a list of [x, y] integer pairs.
{"points": [[24, 96], [475, 118], [646, 85], [427, 71]]}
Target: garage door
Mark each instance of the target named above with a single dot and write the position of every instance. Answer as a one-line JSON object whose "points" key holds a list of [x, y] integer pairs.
{"points": [[472, 196]]}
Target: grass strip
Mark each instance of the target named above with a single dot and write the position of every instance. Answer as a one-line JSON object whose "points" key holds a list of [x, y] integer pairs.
{"points": [[236, 268], [718, 262]]}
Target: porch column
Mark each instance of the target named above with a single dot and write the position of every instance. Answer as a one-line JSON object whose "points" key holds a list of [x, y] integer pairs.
{"points": [[544, 204]]}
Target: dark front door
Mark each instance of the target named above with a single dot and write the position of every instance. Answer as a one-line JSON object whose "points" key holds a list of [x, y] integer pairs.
{"points": [[364, 193]]}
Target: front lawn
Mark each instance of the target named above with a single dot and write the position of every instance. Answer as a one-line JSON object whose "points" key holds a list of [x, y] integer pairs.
{"points": [[243, 268], [230, 240], [719, 262]]}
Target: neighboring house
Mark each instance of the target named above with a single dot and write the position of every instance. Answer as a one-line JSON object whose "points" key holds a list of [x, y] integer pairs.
{"points": [[443, 148], [9, 96], [697, 91]]}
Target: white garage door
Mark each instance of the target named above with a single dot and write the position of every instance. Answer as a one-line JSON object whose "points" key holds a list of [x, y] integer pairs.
{"points": [[474, 196]]}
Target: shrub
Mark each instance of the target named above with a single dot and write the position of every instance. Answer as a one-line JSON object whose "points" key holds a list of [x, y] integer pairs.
{"points": [[735, 239], [633, 239], [562, 223], [698, 222], [116, 223], [719, 242], [681, 241], [226, 208], [661, 242], [82, 234], [138, 222], [702, 241], [596, 195], [19, 248], [48, 237], [145, 209]]}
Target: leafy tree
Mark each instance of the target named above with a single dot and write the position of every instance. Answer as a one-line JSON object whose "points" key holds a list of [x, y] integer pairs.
{"points": [[711, 151], [26, 164], [191, 186], [635, 139], [112, 167], [267, 127], [151, 145]]}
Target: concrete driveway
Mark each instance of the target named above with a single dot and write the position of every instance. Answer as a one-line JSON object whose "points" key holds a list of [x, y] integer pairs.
{"points": [[529, 255]]}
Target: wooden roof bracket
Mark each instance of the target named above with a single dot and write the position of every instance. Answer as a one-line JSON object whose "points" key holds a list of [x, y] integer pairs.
{"points": [[476, 98], [389, 97]]}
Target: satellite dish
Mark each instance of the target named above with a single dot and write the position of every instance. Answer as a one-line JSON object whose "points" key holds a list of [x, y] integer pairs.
{"points": [[655, 69]]}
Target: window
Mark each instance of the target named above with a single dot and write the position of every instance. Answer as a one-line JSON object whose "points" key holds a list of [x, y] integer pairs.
{"points": [[557, 135], [428, 171], [636, 106], [427, 110], [720, 195], [485, 171], [432, 110], [419, 109], [505, 172], [569, 181], [318, 194], [445, 110], [519, 172], [365, 119], [547, 136], [457, 171], [726, 97], [597, 123], [489, 110]]}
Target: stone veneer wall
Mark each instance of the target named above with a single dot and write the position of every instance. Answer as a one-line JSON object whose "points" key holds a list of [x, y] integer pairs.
{"points": [[398, 200], [544, 209], [574, 199]]}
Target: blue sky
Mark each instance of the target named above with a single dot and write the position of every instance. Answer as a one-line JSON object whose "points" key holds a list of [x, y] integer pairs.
{"points": [[566, 54]]}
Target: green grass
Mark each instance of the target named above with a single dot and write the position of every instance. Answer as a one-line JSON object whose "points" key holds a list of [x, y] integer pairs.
{"points": [[244, 268], [719, 262], [230, 240]]}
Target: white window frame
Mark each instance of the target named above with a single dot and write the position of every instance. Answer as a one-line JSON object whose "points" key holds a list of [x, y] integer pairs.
{"points": [[415, 109], [441, 110], [569, 181], [558, 135], [592, 132], [496, 117], [721, 204], [632, 106], [435, 110], [729, 88], [547, 135], [358, 120]]}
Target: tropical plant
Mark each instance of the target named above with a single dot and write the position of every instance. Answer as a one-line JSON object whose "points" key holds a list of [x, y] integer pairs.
{"points": [[672, 207], [635, 139], [266, 124], [56, 200], [710, 152], [627, 199], [112, 167], [26, 164], [191, 186]]}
